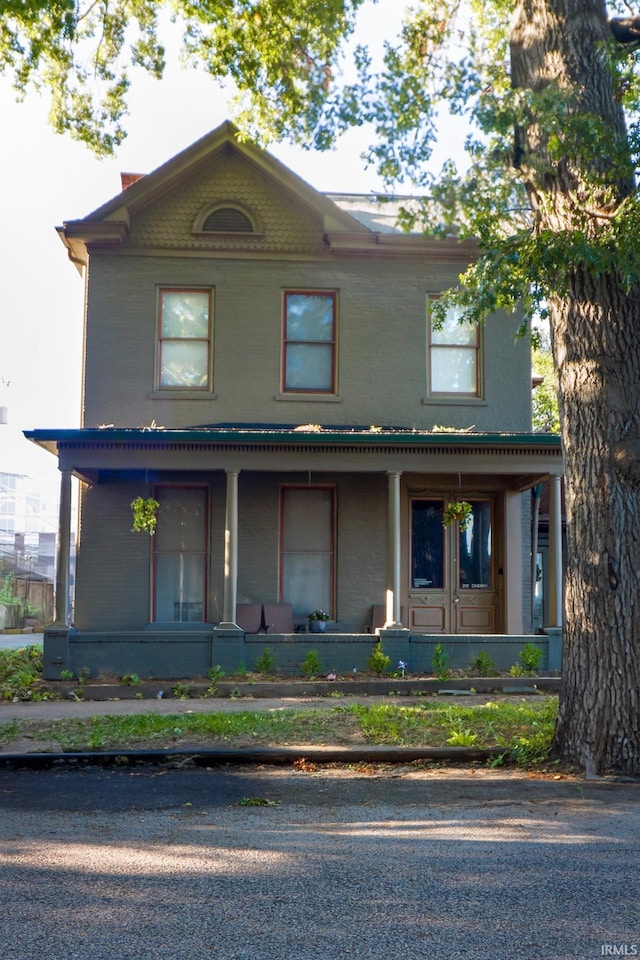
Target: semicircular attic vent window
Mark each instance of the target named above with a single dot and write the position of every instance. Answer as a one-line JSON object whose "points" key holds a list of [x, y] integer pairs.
{"points": [[226, 218]]}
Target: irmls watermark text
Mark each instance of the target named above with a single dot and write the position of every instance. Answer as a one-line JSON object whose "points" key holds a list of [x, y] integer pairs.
{"points": [[620, 950]]}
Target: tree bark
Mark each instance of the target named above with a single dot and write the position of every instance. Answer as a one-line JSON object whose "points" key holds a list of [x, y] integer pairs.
{"points": [[595, 332]]}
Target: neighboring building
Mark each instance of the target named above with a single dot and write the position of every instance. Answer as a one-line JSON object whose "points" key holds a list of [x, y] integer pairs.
{"points": [[260, 358], [28, 524]]}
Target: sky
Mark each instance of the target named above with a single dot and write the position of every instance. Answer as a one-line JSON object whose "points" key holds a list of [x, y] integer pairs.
{"points": [[48, 179]]}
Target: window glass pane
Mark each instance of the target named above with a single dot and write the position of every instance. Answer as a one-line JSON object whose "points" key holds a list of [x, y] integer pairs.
{"points": [[180, 545], [452, 331], [184, 363], [306, 524], [309, 316], [307, 549], [475, 548], [306, 582], [179, 579], [427, 544], [181, 519], [454, 370], [309, 367], [185, 314]]}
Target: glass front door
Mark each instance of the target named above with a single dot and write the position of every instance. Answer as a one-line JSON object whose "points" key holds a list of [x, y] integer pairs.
{"points": [[452, 587]]}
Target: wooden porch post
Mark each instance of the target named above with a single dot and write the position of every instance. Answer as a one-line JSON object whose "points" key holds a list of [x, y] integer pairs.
{"points": [[231, 550], [63, 557], [393, 574], [555, 553]]}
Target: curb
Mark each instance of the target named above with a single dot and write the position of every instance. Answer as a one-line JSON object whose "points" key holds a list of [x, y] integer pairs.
{"points": [[271, 690], [274, 756]]}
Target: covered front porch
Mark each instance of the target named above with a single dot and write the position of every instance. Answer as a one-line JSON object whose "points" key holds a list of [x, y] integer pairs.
{"points": [[377, 478]]}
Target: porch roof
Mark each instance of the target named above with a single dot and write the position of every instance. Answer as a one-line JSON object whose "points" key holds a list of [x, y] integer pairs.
{"points": [[521, 459], [299, 435]]}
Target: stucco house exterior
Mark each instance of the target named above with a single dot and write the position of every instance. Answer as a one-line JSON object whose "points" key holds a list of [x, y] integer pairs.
{"points": [[260, 360]]}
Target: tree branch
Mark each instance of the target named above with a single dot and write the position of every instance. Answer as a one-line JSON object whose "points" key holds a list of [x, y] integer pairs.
{"points": [[625, 29]]}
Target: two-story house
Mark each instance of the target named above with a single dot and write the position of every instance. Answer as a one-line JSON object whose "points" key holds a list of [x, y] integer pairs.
{"points": [[260, 359]]}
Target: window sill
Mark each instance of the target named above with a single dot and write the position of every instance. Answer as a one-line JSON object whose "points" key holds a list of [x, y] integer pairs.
{"points": [[181, 395], [308, 398], [447, 400]]}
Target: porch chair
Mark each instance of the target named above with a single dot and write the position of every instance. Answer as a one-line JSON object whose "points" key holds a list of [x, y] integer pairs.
{"points": [[278, 618], [379, 617], [249, 617]]}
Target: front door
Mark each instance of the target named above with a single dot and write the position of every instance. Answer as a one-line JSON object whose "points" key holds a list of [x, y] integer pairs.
{"points": [[452, 587]]}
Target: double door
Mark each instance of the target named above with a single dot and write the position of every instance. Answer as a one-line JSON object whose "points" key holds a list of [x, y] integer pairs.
{"points": [[452, 570]]}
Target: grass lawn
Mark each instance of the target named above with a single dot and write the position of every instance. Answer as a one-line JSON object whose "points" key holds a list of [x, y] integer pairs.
{"points": [[523, 728]]}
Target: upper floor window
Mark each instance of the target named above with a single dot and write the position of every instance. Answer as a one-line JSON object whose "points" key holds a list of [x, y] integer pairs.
{"points": [[454, 362], [184, 339], [309, 363]]}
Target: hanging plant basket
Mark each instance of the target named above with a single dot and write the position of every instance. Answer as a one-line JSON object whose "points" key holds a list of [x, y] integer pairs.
{"points": [[457, 511], [144, 515]]}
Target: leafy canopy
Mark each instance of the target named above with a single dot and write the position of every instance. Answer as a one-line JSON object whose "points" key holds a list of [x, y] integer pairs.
{"points": [[298, 75]]}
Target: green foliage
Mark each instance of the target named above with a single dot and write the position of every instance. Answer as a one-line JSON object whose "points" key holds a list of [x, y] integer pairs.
{"points": [[66, 674], [458, 511], [440, 662], [530, 656], [215, 673], [311, 665], [181, 690], [130, 680], [544, 415], [282, 57], [7, 594], [462, 738], [484, 665], [145, 518], [378, 661], [20, 673], [266, 661]]}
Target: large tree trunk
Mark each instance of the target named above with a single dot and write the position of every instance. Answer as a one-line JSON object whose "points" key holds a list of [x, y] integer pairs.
{"points": [[596, 343]]}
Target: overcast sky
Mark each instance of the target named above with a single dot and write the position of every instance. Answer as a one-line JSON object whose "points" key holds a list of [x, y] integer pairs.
{"points": [[47, 179]]}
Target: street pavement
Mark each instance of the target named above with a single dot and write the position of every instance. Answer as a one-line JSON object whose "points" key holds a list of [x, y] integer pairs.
{"points": [[281, 864]]}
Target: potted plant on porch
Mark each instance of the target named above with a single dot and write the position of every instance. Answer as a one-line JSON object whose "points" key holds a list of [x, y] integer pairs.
{"points": [[457, 511], [317, 621]]}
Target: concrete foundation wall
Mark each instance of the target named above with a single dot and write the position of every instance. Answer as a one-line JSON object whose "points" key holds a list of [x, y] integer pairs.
{"points": [[192, 653]]}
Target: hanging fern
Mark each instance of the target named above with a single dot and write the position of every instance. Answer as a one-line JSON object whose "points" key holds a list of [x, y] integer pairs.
{"points": [[144, 515]]}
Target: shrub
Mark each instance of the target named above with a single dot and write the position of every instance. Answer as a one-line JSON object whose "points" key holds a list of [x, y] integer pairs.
{"points": [[440, 662], [484, 665], [266, 661], [531, 657], [311, 666], [379, 661]]}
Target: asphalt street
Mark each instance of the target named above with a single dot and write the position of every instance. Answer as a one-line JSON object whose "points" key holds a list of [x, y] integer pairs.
{"points": [[251, 863]]}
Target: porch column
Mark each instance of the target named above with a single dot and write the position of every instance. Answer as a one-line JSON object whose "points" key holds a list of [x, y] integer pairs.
{"points": [[393, 573], [555, 553], [231, 550], [63, 556]]}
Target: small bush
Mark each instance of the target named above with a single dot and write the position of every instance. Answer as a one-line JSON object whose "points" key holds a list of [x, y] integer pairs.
{"points": [[130, 680], [379, 661], [440, 662], [484, 665], [311, 666], [531, 657], [266, 661]]}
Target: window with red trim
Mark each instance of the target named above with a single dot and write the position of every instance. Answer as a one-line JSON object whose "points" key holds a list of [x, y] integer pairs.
{"points": [[309, 361]]}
